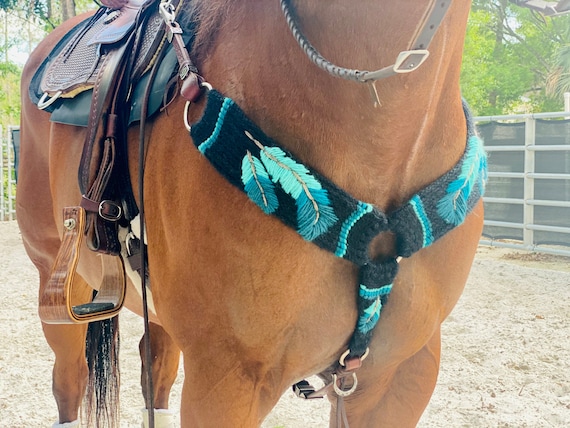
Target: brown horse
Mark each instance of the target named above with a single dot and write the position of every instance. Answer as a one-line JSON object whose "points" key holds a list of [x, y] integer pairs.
{"points": [[252, 306]]}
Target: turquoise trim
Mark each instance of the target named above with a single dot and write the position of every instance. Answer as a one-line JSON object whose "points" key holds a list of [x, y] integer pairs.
{"points": [[221, 116], [422, 216], [374, 293], [361, 209]]}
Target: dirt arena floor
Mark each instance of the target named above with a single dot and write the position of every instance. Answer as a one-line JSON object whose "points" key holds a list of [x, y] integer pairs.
{"points": [[505, 356]]}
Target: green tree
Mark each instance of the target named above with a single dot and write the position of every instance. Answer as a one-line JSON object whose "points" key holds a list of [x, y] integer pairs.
{"points": [[559, 80], [33, 19], [9, 94], [511, 60]]}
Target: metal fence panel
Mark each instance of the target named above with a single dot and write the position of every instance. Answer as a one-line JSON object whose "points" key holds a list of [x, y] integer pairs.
{"points": [[9, 143], [528, 193]]}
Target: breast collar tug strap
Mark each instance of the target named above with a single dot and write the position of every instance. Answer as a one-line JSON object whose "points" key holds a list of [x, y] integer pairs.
{"points": [[326, 215]]}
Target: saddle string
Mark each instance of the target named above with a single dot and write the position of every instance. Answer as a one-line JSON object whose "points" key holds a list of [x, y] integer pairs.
{"points": [[189, 89]]}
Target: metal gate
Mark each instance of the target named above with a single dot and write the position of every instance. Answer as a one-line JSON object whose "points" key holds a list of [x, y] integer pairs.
{"points": [[527, 201], [10, 142]]}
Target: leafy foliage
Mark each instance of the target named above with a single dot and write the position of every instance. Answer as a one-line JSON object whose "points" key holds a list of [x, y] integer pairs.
{"points": [[9, 94], [7, 4], [559, 79], [515, 60]]}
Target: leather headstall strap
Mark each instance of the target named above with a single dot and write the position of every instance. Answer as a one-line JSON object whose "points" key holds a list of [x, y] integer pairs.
{"points": [[407, 60]]}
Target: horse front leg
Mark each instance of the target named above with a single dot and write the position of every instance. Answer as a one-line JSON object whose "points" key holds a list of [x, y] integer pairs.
{"points": [[70, 371], [165, 357]]}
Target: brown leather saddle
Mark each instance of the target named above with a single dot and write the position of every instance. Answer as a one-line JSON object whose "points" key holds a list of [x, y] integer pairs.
{"points": [[65, 82], [102, 60]]}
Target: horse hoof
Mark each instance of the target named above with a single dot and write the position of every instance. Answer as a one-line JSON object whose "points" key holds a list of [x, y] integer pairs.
{"points": [[73, 424], [163, 418]]}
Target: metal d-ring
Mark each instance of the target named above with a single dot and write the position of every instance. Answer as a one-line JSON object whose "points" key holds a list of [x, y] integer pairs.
{"points": [[347, 352], [44, 102], [187, 106], [342, 392]]}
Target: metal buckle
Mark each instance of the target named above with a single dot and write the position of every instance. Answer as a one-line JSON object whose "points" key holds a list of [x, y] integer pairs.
{"points": [[113, 216], [167, 11], [409, 61], [350, 366], [303, 389]]}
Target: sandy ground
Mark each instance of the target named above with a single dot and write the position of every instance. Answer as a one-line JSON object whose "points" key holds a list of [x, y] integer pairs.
{"points": [[505, 363]]}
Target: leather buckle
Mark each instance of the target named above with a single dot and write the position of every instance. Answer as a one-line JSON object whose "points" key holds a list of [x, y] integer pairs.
{"points": [[409, 61], [110, 211]]}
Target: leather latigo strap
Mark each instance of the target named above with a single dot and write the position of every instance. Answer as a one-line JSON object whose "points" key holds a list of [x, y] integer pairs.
{"points": [[57, 303], [102, 155], [103, 173], [101, 227]]}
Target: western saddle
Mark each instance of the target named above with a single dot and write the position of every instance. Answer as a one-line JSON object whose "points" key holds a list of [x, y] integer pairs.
{"points": [[109, 71]]}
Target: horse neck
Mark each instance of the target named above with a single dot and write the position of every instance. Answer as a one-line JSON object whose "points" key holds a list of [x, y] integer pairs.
{"points": [[381, 155]]}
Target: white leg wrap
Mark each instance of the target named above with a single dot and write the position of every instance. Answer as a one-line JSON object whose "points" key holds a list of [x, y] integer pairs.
{"points": [[73, 424], [163, 418]]}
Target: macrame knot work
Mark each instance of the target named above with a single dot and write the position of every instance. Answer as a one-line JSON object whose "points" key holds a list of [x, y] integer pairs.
{"points": [[375, 283], [322, 213]]}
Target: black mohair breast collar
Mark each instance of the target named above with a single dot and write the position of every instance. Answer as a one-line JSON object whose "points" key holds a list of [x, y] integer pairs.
{"points": [[329, 217]]}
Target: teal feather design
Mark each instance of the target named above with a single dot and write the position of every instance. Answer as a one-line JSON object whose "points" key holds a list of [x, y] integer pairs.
{"points": [[315, 215], [257, 184], [453, 206], [370, 317]]}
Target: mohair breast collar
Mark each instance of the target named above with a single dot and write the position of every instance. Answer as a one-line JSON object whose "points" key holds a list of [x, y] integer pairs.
{"points": [[329, 217]]}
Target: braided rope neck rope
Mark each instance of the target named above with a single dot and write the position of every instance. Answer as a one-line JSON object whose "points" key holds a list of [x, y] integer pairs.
{"points": [[329, 217]]}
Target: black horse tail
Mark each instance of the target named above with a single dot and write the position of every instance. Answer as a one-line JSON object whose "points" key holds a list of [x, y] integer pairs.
{"points": [[101, 404]]}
